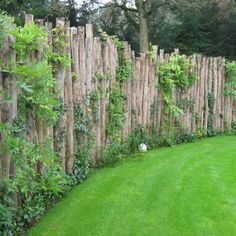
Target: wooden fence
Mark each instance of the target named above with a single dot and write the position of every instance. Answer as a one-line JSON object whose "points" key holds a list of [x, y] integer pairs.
{"points": [[91, 58]]}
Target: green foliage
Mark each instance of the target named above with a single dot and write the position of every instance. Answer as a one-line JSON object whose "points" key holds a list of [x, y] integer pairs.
{"points": [[210, 128], [35, 77], [37, 82], [29, 39], [115, 108], [138, 136], [100, 77], [172, 180], [115, 112], [4, 98], [84, 140], [35, 191], [6, 26], [119, 44], [112, 154], [152, 53], [94, 98], [177, 135], [124, 71], [120, 48], [7, 210], [81, 165], [233, 127], [175, 75], [230, 76], [201, 133], [185, 104], [41, 9], [57, 52], [116, 152], [187, 179]]}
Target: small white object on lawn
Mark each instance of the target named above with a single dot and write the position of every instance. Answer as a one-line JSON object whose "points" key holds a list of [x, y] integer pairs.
{"points": [[142, 147]]}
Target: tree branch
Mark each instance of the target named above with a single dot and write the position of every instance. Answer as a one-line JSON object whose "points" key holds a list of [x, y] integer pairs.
{"points": [[121, 6], [157, 6]]}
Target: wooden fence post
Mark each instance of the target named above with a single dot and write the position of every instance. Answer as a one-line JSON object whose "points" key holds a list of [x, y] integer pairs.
{"points": [[60, 129]]}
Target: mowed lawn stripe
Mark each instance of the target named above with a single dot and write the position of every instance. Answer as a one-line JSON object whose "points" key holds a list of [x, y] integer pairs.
{"points": [[189, 189]]}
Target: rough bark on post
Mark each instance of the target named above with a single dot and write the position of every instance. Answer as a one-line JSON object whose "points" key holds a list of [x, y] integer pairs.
{"points": [[75, 63], [29, 19], [8, 109], [1, 138], [89, 58], [38, 122], [30, 121], [48, 131], [60, 129], [70, 109], [82, 68]]}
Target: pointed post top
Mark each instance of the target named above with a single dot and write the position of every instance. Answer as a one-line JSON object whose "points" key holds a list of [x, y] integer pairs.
{"points": [[89, 31], [29, 19]]}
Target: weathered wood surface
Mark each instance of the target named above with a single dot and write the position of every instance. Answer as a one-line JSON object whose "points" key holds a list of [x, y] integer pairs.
{"points": [[94, 63]]}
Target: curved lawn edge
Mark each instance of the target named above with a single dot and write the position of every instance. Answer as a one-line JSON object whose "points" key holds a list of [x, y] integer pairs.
{"points": [[186, 190]]}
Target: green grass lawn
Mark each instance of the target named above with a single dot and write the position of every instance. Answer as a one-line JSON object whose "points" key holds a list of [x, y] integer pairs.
{"points": [[186, 190]]}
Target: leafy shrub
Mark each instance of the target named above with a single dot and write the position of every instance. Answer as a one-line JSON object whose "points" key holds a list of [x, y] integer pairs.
{"points": [[112, 154], [31, 191], [186, 138], [25, 198], [138, 136], [166, 139], [84, 141], [81, 167], [233, 127], [200, 133], [7, 209]]}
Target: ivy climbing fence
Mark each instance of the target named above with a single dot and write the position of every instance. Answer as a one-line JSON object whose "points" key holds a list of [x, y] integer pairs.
{"points": [[95, 74]]}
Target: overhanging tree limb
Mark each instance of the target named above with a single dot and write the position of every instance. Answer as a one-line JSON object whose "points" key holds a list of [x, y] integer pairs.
{"points": [[121, 6], [156, 6]]}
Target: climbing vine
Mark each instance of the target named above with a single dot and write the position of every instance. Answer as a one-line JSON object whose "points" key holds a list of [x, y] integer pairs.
{"points": [[6, 26], [57, 50], [174, 75], [210, 128], [230, 77], [34, 73], [100, 77], [35, 81], [95, 97], [115, 114], [84, 140], [124, 71]]}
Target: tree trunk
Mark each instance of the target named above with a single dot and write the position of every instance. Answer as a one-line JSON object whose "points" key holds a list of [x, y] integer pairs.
{"points": [[143, 32]]}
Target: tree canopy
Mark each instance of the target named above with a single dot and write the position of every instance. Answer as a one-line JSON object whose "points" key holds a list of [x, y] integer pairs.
{"points": [[193, 26]]}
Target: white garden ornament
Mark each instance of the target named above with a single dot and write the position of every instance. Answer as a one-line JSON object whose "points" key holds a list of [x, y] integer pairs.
{"points": [[142, 147]]}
